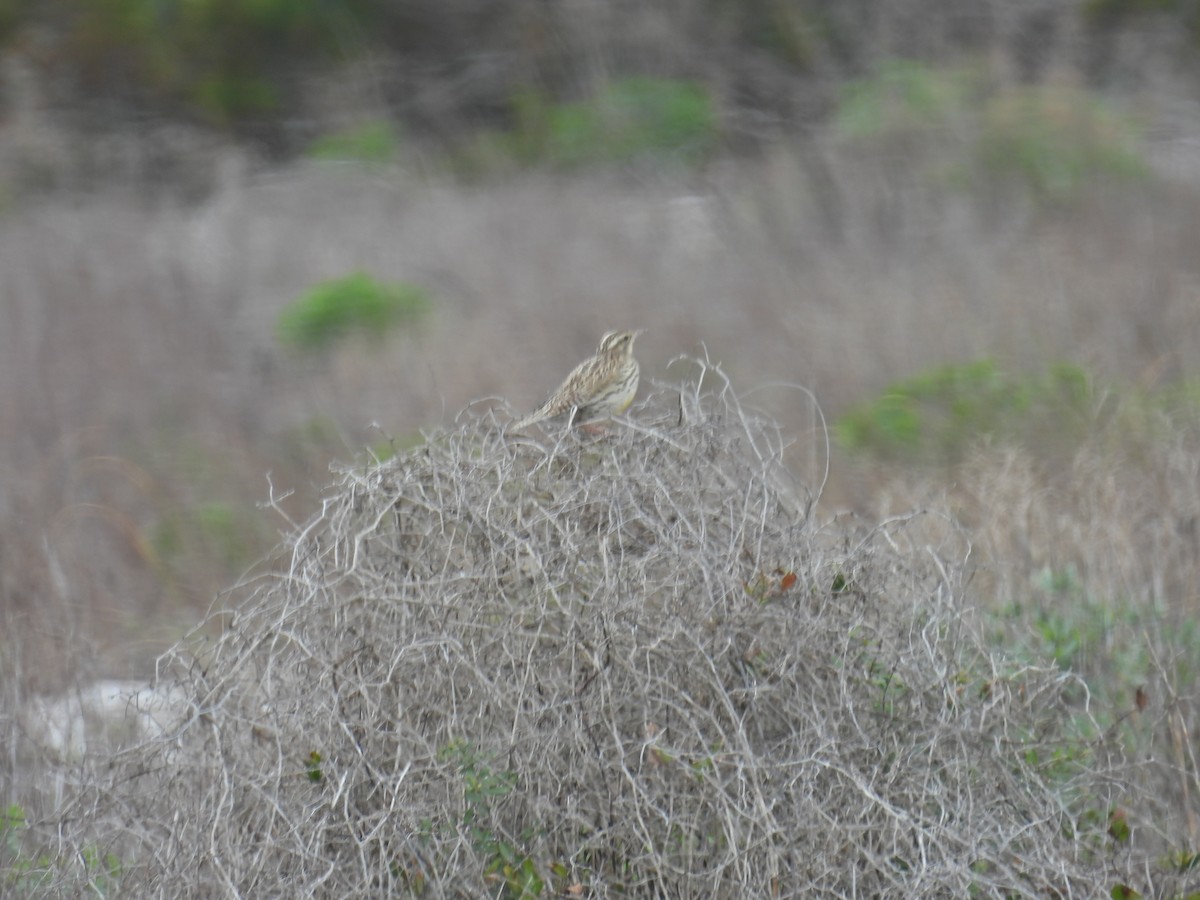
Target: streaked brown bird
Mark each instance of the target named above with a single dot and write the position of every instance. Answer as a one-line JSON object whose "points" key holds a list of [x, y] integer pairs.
{"points": [[601, 386]]}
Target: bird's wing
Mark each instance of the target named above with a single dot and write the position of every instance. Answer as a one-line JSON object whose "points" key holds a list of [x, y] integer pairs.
{"points": [[570, 394]]}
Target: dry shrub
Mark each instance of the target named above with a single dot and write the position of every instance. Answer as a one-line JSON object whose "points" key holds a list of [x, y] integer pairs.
{"points": [[625, 664], [1097, 559], [1121, 512]]}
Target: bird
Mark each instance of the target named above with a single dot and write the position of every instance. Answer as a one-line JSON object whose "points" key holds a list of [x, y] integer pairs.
{"points": [[599, 387]]}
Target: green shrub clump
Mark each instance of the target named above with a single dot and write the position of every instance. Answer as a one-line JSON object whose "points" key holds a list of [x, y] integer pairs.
{"points": [[903, 95], [1055, 138], [354, 304], [936, 416], [227, 61], [27, 874], [372, 142], [629, 120], [1052, 139]]}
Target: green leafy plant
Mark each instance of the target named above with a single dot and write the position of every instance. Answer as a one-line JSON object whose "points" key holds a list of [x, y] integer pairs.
{"points": [[1182, 861], [1054, 138], [508, 864], [225, 60], [792, 32], [629, 119], [354, 304], [903, 95], [1102, 638], [20, 872], [936, 416], [12, 13], [312, 766], [1113, 13], [205, 534], [373, 142], [1123, 892], [23, 874]]}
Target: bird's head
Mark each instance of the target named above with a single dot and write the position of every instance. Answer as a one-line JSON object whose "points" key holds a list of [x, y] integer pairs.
{"points": [[618, 343]]}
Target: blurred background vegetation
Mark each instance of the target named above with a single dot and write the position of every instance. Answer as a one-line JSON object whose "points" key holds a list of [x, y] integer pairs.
{"points": [[241, 238]]}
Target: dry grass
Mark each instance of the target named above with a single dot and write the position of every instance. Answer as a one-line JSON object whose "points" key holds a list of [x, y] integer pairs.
{"points": [[1099, 563], [140, 385], [623, 665]]}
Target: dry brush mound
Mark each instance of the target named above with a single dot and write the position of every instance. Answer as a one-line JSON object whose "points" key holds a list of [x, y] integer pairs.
{"points": [[617, 665]]}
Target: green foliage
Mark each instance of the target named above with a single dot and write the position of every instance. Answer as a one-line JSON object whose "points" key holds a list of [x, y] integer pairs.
{"points": [[373, 142], [632, 119], [19, 872], [23, 874], [1098, 636], [507, 862], [218, 524], [12, 826], [228, 96], [1112, 12], [891, 687], [1054, 138], [212, 532], [1102, 638], [1118, 827], [195, 528], [392, 445], [1183, 861], [1180, 400], [12, 13], [936, 416], [793, 32], [312, 766], [1135, 419], [1181, 15], [354, 304], [224, 58], [902, 96]]}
